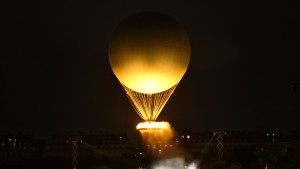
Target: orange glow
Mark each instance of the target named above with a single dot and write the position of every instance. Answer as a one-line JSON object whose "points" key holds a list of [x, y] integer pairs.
{"points": [[150, 79], [152, 125]]}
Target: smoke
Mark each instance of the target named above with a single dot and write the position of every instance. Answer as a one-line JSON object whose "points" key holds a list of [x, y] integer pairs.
{"points": [[165, 150]]}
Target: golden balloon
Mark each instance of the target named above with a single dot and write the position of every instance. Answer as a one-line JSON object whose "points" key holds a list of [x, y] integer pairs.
{"points": [[149, 53]]}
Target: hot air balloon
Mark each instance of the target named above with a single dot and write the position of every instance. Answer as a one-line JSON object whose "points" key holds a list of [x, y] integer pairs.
{"points": [[149, 53]]}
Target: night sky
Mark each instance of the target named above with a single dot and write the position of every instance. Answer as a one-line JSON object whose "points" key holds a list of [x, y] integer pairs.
{"points": [[244, 71]]}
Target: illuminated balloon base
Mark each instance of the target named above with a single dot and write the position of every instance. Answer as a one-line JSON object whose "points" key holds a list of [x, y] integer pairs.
{"points": [[153, 125]]}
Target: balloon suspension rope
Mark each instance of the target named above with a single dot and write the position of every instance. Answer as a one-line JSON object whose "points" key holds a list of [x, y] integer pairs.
{"points": [[149, 106]]}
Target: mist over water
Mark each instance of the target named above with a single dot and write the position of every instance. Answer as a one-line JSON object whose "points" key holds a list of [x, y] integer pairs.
{"points": [[174, 163]]}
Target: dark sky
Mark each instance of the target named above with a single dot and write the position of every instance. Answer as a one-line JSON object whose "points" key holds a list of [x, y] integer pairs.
{"points": [[56, 77]]}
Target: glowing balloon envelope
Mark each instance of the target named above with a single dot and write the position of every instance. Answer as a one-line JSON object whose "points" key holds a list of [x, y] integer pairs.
{"points": [[149, 53]]}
